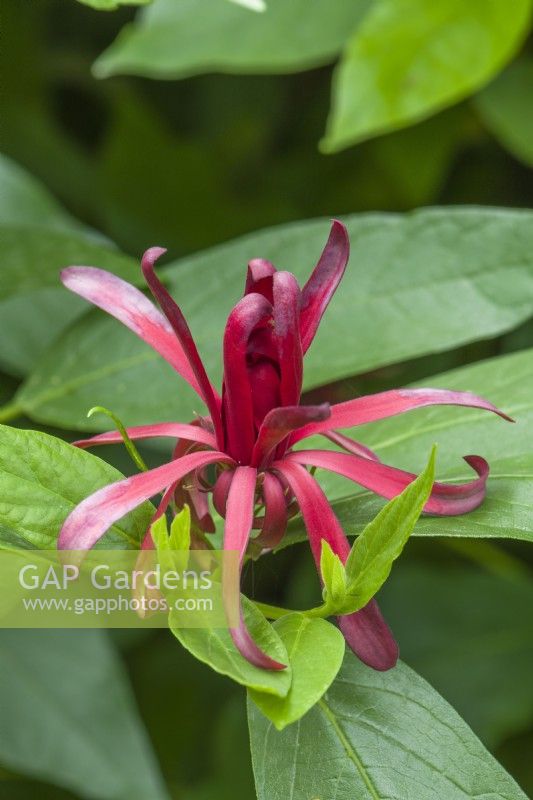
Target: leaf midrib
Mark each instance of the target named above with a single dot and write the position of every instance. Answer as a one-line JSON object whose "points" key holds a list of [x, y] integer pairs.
{"points": [[348, 748]]}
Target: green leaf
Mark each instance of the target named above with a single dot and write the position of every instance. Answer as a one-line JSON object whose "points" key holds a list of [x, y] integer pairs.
{"points": [[381, 542], [507, 511], [42, 478], [32, 258], [214, 646], [112, 5], [416, 284], [24, 201], [316, 649], [505, 106], [172, 40], [470, 635], [376, 735], [410, 58], [69, 716], [333, 575], [173, 549]]}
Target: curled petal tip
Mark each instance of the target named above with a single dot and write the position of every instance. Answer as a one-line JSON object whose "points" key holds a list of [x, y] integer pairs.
{"points": [[150, 257]]}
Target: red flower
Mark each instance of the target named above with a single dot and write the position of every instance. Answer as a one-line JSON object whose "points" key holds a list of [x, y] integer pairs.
{"points": [[252, 427]]}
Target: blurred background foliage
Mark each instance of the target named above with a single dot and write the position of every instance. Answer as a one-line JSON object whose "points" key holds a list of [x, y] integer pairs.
{"points": [[190, 163]]}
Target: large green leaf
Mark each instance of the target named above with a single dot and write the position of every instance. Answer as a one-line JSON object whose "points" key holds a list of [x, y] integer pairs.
{"points": [[214, 646], [403, 441], [416, 284], [69, 716], [42, 478], [505, 106], [376, 735], [316, 649], [37, 238], [112, 5], [32, 257], [470, 635], [24, 201], [172, 40], [410, 58]]}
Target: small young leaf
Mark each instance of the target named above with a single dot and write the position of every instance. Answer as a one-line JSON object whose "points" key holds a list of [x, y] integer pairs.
{"points": [[381, 542], [215, 647], [333, 575], [180, 530], [316, 649]]}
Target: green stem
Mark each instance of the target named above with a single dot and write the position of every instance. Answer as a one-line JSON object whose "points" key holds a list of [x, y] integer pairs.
{"points": [[10, 411], [130, 447], [276, 612]]}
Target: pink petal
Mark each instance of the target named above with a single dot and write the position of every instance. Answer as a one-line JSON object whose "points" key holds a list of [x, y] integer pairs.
{"points": [[88, 522], [365, 631], [275, 519], [238, 402], [445, 500], [388, 404], [127, 304], [323, 282], [239, 519], [286, 334], [179, 325], [277, 425], [350, 445], [173, 430]]}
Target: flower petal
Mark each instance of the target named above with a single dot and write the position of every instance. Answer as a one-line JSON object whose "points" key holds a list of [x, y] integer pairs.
{"points": [[446, 499], [365, 631], [277, 425], [388, 404], [275, 519], [174, 430], [239, 519], [351, 445], [88, 522], [127, 304], [323, 282], [237, 401], [179, 325], [286, 334], [259, 277]]}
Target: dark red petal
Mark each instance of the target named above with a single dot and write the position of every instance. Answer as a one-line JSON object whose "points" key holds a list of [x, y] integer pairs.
{"points": [[323, 282], [239, 519], [373, 407], [275, 519], [279, 422], [366, 631], [171, 429], [286, 334], [93, 516], [265, 386], [369, 636], [446, 499], [179, 325], [220, 491], [127, 304], [259, 277], [238, 401]]}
